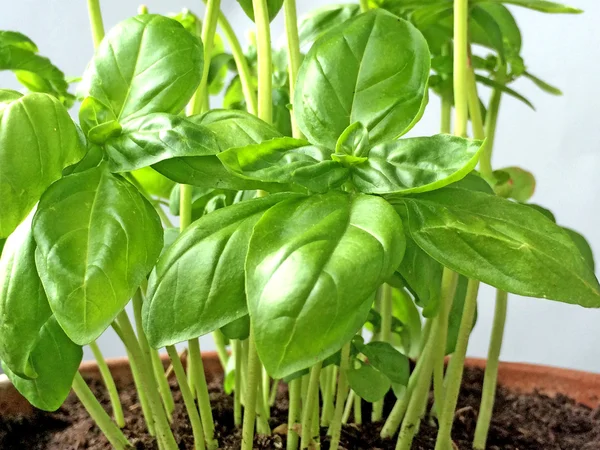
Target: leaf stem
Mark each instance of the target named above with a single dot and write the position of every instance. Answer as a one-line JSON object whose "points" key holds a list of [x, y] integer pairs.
{"points": [[221, 347], [309, 407], [200, 101], [456, 367], [335, 429], [237, 387], [348, 407], [251, 396], [357, 409], [490, 378], [327, 395], [114, 435], [265, 65], [96, 23], [109, 382], [294, 413], [461, 14], [294, 55], [485, 161], [384, 336]]}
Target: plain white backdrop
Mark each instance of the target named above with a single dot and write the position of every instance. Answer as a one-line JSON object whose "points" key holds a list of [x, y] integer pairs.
{"points": [[560, 143]]}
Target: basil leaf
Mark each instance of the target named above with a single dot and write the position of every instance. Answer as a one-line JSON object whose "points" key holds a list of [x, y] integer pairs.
{"points": [[56, 359], [510, 33], [198, 283], [386, 94], [367, 382], [150, 139], [502, 87], [286, 160], [519, 183], [273, 7], [543, 85], [416, 165], [322, 20], [409, 329], [146, 64], [584, 247], [153, 182], [540, 5], [97, 238], [237, 329], [304, 297], [387, 360], [502, 243], [38, 140]]}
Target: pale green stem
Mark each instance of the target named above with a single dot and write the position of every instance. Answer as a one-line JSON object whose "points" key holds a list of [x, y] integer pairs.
{"points": [[188, 398], [348, 407], [294, 55], [490, 378], [241, 63], [265, 67], [96, 23], [357, 409], [309, 407], [202, 395], [485, 161], [251, 397], [163, 383], [385, 336], [316, 429], [455, 368], [266, 390], [273, 394], [86, 397], [219, 339], [461, 13], [327, 395], [237, 390], [142, 9], [335, 428], [262, 415], [294, 413], [446, 115], [109, 382]]}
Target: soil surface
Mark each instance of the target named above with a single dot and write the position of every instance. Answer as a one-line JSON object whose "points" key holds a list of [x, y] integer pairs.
{"points": [[520, 422]]}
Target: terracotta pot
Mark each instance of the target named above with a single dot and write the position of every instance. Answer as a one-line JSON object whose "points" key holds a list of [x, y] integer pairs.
{"points": [[584, 387]]}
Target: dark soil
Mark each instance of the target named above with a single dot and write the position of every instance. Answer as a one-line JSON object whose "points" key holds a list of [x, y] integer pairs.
{"points": [[520, 422]]}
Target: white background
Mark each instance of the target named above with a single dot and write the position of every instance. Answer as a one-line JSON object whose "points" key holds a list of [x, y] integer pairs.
{"points": [[559, 142]]}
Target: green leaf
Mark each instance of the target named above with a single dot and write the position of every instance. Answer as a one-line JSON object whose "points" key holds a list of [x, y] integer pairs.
{"points": [[544, 86], [153, 182], [539, 5], [520, 184], [204, 201], [93, 113], [387, 360], [286, 161], [198, 283], [97, 240], [511, 39], [387, 95], [24, 308], [237, 329], [38, 140], [146, 64], [366, 382], [282, 119], [416, 165], [150, 139], [546, 212], [456, 313], [55, 359], [218, 72], [584, 247], [273, 7], [406, 312], [354, 141], [502, 87], [18, 40], [483, 24], [304, 296], [502, 243], [322, 20]]}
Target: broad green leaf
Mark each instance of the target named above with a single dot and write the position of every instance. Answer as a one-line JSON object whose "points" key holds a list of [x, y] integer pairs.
{"points": [[304, 296], [387, 360], [24, 308], [97, 238], [509, 30], [354, 141], [153, 182], [217, 73], [502, 243], [287, 161], [543, 85], [482, 23], [93, 113], [321, 20], [146, 64], [406, 312], [539, 5], [55, 359], [198, 283], [519, 184], [273, 7], [456, 313], [18, 40], [416, 164], [153, 138], [367, 382], [282, 120], [387, 95], [584, 247], [237, 329], [38, 140], [504, 88], [170, 236], [93, 158], [545, 211]]}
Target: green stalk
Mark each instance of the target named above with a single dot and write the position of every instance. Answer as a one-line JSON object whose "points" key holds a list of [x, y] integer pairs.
{"points": [[266, 390], [251, 397], [241, 63], [265, 65], [159, 376], [96, 23], [385, 336], [294, 413], [273, 394], [109, 382], [294, 56], [490, 378], [221, 347], [364, 5], [111, 431], [461, 13], [316, 429], [237, 390], [446, 115], [335, 429], [348, 408], [309, 407], [357, 409], [262, 416], [327, 395], [202, 395], [148, 383], [146, 411], [188, 398], [485, 161], [455, 368]]}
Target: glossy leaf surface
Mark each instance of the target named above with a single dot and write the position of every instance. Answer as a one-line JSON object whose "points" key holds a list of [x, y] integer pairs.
{"points": [[273, 7], [321, 20]]}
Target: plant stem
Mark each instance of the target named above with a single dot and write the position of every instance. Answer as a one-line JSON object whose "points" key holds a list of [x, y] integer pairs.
{"points": [[335, 429], [237, 390], [273, 394], [266, 390], [202, 395], [309, 406], [262, 416], [485, 161], [148, 383], [265, 65], [455, 368], [364, 5], [294, 413], [252, 383], [491, 372], [96, 23], [348, 407], [316, 430], [221, 347], [327, 395], [357, 409], [446, 115], [241, 63], [86, 397], [385, 336], [109, 382], [461, 13], [163, 383], [294, 55]]}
